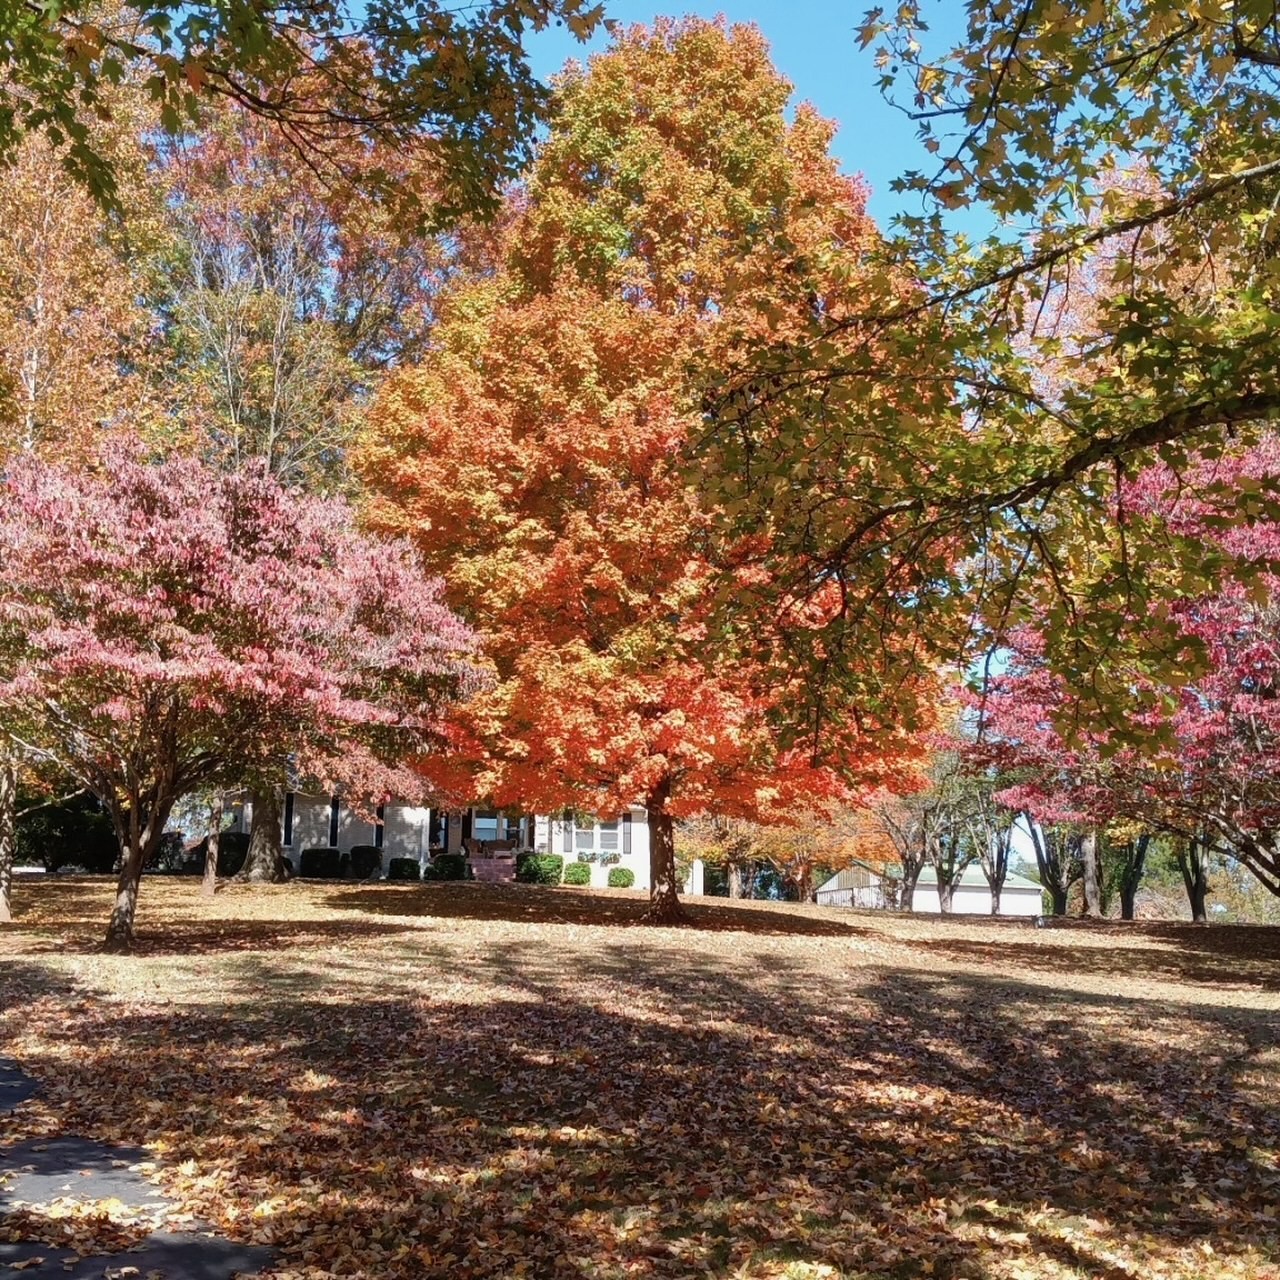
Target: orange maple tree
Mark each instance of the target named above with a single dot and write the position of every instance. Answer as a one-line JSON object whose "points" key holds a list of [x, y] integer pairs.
{"points": [[542, 457]]}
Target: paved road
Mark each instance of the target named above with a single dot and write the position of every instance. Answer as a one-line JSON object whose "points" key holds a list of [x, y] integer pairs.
{"points": [[33, 1174]]}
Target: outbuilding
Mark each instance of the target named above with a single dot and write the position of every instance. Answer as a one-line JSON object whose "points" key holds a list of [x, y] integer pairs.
{"points": [[972, 897], [859, 886]]}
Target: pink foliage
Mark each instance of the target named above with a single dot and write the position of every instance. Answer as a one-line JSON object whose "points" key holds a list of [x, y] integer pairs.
{"points": [[166, 626], [1211, 762]]}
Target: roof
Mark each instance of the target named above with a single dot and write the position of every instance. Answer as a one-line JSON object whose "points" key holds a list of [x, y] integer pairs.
{"points": [[974, 879]]}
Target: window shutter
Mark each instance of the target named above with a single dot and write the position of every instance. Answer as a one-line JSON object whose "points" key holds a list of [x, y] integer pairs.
{"points": [[626, 832], [334, 804], [567, 821], [466, 824], [288, 818], [380, 827]]}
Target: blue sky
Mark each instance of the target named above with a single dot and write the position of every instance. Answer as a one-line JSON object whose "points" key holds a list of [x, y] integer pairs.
{"points": [[815, 46]]}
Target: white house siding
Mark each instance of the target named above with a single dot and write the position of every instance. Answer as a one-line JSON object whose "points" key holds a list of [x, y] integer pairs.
{"points": [[554, 835], [353, 829], [404, 831], [969, 900], [867, 896], [857, 886], [310, 824]]}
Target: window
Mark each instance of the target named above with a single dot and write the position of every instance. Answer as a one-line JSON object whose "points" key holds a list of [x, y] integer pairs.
{"points": [[493, 824], [484, 824], [592, 836]]}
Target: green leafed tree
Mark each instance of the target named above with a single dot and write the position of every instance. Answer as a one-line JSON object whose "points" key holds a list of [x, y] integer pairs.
{"points": [[450, 83], [1122, 310]]}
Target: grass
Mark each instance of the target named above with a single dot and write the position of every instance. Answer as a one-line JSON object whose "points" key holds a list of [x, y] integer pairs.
{"points": [[492, 1081]]}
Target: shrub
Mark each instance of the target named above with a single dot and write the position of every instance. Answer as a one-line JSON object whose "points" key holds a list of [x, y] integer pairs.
{"points": [[577, 873], [73, 833], [364, 860], [447, 866], [540, 868], [621, 878], [233, 848], [403, 869], [321, 864]]}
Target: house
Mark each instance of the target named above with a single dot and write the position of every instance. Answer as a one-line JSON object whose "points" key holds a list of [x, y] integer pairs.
{"points": [[972, 897], [490, 838], [859, 886]]}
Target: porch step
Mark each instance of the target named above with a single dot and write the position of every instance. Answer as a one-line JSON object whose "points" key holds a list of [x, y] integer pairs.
{"points": [[494, 870]]}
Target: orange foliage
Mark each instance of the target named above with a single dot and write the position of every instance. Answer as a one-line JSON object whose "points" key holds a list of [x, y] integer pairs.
{"points": [[76, 339], [541, 457]]}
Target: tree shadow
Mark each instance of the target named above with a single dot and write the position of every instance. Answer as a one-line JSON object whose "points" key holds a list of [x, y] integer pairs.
{"points": [[202, 937], [633, 1117], [1213, 957], [540, 905], [72, 900]]}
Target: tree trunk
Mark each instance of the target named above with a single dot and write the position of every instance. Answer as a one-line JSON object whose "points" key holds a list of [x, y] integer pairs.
{"points": [[664, 899], [946, 892], [995, 898], [1135, 865], [1191, 862], [139, 842], [209, 885], [120, 927], [8, 803], [735, 880], [907, 901], [264, 863], [1197, 894], [1058, 896], [806, 891], [1092, 882]]}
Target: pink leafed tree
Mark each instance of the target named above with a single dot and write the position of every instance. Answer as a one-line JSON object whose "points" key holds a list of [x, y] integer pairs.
{"points": [[1197, 757], [166, 627]]}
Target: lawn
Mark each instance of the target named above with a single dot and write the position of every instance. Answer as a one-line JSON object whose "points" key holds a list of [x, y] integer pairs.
{"points": [[468, 1080]]}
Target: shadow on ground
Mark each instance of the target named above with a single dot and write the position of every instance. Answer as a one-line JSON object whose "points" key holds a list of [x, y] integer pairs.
{"points": [[535, 905], [659, 1115], [1217, 956]]}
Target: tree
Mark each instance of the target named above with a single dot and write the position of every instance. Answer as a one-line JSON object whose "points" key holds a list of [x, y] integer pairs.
{"points": [[1193, 862], [991, 828], [540, 457], [810, 848], [728, 844], [286, 302], [1198, 758], [935, 826], [76, 338], [986, 498], [452, 87], [949, 851], [1057, 859], [1129, 859], [907, 826], [166, 627]]}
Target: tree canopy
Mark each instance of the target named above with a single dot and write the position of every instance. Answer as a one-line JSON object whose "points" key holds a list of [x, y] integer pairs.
{"points": [[1121, 153], [541, 457], [169, 627], [452, 87]]}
